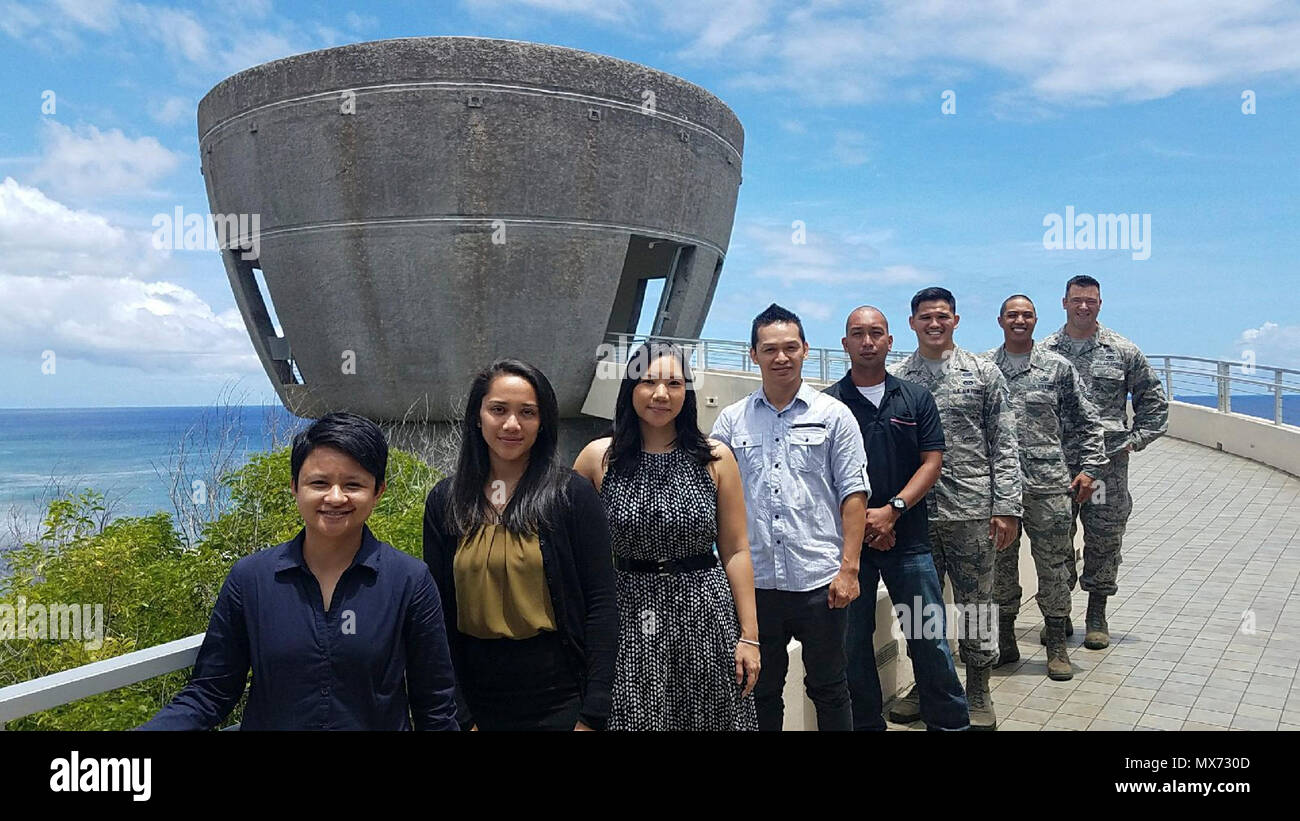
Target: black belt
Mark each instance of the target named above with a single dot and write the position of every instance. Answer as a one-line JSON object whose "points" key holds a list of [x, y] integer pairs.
{"points": [[697, 562]]}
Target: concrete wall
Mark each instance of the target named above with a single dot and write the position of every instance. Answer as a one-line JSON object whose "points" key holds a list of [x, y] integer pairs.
{"points": [[1277, 446], [427, 205]]}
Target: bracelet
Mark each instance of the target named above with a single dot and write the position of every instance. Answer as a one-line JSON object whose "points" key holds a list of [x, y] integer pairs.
{"points": [[750, 641]]}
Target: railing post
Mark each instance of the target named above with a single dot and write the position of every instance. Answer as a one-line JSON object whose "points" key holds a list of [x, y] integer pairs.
{"points": [[1225, 396], [704, 354], [1277, 397], [826, 370], [1169, 379]]}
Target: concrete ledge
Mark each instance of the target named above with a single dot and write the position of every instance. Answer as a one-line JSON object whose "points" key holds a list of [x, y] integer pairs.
{"points": [[1259, 440]]}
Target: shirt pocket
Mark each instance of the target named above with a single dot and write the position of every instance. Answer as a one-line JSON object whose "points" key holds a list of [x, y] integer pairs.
{"points": [[903, 430], [748, 449], [1041, 425], [808, 449], [1044, 465], [1107, 377]]}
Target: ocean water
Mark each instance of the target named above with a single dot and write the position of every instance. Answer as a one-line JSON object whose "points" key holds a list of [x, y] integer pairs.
{"points": [[126, 453], [1254, 405]]}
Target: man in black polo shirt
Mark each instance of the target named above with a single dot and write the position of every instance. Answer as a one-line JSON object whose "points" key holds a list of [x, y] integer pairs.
{"points": [[904, 443]]}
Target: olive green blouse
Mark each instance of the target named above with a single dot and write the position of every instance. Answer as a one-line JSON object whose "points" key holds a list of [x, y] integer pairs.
{"points": [[501, 590]]}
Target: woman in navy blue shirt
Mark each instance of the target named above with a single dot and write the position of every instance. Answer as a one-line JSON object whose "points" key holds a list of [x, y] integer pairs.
{"points": [[341, 631]]}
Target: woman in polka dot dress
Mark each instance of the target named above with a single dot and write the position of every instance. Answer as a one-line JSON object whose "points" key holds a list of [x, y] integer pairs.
{"points": [[688, 634]]}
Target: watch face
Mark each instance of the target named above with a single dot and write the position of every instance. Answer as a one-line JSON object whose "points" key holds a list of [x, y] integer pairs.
{"points": [[899, 504]]}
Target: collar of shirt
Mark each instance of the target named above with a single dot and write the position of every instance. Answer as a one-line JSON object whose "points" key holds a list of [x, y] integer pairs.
{"points": [[852, 394], [806, 393], [289, 555], [915, 363], [1063, 339], [1012, 366]]}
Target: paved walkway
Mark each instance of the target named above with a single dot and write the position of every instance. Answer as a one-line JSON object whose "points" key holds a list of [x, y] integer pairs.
{"points": [[1205, 629]]}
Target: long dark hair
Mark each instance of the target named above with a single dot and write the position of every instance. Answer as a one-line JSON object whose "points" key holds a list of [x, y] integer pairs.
{"points": [[625, 450], [542, 487]]}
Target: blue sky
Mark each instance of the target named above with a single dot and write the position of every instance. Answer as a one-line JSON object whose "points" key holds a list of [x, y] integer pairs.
{"points": [[1118, 107]]}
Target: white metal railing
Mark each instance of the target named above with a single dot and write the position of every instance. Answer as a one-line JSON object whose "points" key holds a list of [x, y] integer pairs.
{"points": [[1222, 379], [25, 698], [1190, 377], [1217, 378]]}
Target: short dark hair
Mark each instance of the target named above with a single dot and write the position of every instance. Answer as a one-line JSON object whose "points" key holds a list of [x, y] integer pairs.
{"points": [[1083, 281], [932, 294], [355, 435], [771, 315], [1003, 309]]}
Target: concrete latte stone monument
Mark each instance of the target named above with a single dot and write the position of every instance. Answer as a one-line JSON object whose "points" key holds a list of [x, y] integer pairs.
{"points": [[429, 204]]}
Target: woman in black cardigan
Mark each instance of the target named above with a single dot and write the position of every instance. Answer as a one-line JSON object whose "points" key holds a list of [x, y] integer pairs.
{"points": [[519, 548]]}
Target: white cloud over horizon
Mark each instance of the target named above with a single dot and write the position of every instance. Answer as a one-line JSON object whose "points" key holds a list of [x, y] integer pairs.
{"points": [[822, 258], [74, 283], [1272, 344], [87, 162], [43, 237]]}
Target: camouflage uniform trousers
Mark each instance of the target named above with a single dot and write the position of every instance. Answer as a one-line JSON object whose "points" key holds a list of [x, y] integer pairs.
{"points": [[1104, 518], [964, 551], [1047, 522]]}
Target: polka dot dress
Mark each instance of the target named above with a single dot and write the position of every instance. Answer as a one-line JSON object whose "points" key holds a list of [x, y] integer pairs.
{"points": [[677, 631]]}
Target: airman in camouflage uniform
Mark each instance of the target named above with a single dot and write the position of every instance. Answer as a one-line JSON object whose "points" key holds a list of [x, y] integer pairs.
{"points": [[1112, 369], [1055, 424], [975, 505]]}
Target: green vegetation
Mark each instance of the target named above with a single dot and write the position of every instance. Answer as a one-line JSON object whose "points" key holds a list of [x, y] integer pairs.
{"points": [[155, 588]]}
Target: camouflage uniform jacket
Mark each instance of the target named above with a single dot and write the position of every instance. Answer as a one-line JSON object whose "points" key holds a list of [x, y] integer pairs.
{"points": [[1056, 425], [1111, 367], [981, 470]]}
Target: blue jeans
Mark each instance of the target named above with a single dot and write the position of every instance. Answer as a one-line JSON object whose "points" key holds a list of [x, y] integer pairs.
{"points": [[910, 579]]}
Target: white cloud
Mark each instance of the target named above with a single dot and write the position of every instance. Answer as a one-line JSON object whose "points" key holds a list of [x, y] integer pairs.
{"points": [[808, 309], [258, 47], [1057, 52], [850, 148], [153, 326], [607, 11], [823, 259], [39, 235], [99, 15], [1272, 344], [360, 22], [18, 20], [172, 110], [91, 162], [74, 283]]}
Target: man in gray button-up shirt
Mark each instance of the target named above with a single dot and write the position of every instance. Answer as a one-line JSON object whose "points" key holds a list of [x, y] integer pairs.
{"points": [[805, 473]]}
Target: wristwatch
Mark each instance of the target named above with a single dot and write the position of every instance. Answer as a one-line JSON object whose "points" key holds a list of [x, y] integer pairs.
{"points": [[898, 504]]}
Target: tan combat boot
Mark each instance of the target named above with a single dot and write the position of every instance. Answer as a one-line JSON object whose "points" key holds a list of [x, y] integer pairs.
{"points": [[1058, 663], [979, 699], [1097, 636], [1069, 631], [1007, 649]]}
